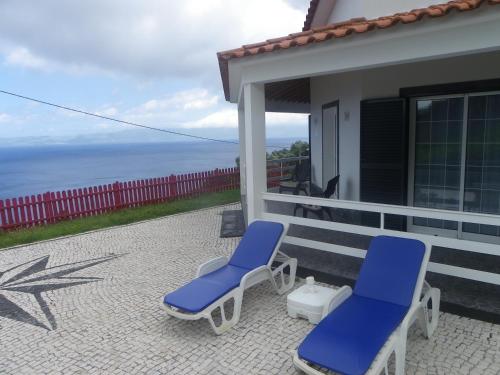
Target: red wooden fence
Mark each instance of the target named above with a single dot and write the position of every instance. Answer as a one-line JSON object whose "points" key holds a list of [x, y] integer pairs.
{"points": [[52, 207]]}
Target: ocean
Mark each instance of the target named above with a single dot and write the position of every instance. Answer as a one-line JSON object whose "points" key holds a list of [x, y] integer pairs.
{"points": [[37, 169]]}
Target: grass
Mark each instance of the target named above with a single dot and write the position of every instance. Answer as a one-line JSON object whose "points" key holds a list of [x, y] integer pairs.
{"points": [[126, 216]]}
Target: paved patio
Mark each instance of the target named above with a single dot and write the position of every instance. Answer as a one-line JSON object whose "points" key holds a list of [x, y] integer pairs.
{"points": [[91, 304]]}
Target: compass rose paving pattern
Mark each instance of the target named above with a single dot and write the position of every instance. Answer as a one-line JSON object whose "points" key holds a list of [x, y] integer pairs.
{"points": [[92, 304]]}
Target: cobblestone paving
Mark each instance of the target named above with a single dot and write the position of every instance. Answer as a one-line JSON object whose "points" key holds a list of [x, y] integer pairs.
{"points": [[115, 324]]}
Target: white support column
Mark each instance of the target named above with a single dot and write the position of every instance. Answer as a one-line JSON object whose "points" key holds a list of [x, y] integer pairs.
{"points": [[243, 164], [255, 148]]}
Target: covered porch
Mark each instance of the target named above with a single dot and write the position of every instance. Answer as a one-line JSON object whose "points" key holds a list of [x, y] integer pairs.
{"points": [[409, 120]]}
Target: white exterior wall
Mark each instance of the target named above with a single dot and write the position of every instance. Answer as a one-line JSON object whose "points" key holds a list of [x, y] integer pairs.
{"points": [[350, 88], [344, 10], [346, 88]]}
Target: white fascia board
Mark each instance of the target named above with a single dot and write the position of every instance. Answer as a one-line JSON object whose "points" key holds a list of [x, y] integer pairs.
{"points": [[457, 35]]}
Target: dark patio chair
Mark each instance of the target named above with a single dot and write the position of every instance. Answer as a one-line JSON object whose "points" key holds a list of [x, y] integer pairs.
{"points": [[316, 191], [298, 181]]}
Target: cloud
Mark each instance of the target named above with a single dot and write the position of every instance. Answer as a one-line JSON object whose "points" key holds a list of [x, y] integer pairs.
{"points": [[150, 62], [302, 5], [188, 99], [16, 120], [108, 112], [147, 39], [173, 110], [22, 57], [228, 118], [103, 126], [4, 118], [275, 119]]}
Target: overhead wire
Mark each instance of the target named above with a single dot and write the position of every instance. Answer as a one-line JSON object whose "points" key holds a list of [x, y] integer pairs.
{"points": [[108, 118]]}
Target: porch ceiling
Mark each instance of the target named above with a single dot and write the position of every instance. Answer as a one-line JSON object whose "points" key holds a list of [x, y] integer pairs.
{"points": [[292, 91]]}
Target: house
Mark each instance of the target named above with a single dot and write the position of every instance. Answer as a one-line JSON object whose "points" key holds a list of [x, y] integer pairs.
{"points": [[404, 104]]}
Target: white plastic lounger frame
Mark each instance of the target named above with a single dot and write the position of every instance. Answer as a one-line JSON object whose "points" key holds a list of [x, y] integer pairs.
{"points": [[396, 343], [250, 279]]}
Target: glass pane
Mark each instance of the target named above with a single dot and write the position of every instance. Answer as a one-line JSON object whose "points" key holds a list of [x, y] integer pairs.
{"points": [[424, 110], [482, 165], [452, 176], [454, 134], [477, 107], [475, 130], [438, 148]]}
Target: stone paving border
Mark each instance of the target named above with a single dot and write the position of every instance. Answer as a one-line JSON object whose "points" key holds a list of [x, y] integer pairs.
{"points": [[115, 324]]}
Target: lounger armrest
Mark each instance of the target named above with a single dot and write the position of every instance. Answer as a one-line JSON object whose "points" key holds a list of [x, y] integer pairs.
{"points": [[339, 298], [211, 266], [254, 276]]}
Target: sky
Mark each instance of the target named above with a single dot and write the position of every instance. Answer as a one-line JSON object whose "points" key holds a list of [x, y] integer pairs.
{"points": [[151, 62]]}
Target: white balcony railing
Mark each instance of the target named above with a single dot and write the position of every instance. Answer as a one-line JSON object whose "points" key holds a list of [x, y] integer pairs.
{"points": [[382, 210]]}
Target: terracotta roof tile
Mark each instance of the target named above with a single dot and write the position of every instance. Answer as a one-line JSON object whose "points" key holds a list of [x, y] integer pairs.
{"points": [[340, 30]]}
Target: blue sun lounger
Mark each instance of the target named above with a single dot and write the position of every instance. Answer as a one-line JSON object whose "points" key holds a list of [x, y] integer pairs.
{"points": [[367, 325], [222, 279]]}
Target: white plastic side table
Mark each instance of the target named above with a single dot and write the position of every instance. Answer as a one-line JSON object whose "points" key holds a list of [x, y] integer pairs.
{"points": [[310, 301]]}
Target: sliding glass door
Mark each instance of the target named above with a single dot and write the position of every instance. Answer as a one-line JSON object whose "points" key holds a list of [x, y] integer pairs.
{"points": [[482, 162], [455, 160]]}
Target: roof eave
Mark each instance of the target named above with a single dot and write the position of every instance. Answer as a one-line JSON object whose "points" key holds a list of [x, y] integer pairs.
{"points": [[224, 73], [340, 30]]}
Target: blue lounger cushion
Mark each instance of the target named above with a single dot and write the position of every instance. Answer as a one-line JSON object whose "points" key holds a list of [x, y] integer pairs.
{"points": [[202, 291], [390, 269], [349, 338], [257, 245], [254, 250]]}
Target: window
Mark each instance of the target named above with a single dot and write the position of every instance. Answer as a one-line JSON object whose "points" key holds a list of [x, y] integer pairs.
{"points": [[482, 164], [457, 159]]}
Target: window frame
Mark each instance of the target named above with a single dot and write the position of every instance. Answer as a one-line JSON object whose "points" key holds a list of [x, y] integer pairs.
{"points": [[459, 233]]}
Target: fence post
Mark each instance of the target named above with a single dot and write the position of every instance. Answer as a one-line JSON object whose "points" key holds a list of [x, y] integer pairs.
{"points": [[172, 183], [39, 205], [117, 196], [47, 208], [217, 180], [3, 221], [22, 213], [54, 208]]}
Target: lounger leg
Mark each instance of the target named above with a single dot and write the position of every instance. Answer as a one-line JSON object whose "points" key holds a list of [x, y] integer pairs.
{"points": [[428, 321], [402, 337], [237, 296], [284, 286], [380, 364], [400, 353]]}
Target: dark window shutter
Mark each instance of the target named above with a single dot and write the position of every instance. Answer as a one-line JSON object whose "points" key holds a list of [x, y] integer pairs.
{"points": [[384, 154]]}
